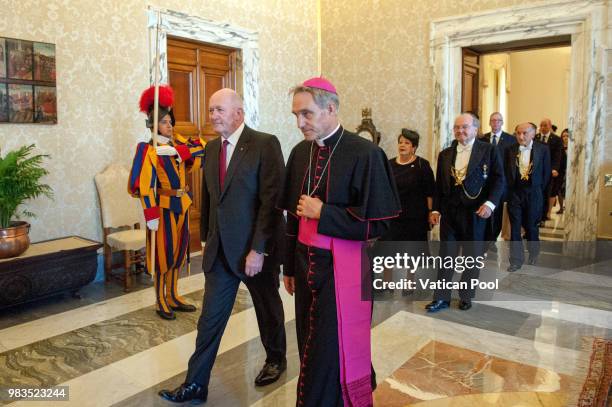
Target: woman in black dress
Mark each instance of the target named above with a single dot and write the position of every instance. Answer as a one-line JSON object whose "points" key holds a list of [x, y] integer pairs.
{"points": [[415, 183]]}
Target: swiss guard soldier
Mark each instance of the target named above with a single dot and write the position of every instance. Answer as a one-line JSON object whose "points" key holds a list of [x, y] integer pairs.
{"points": [[159, 178]]}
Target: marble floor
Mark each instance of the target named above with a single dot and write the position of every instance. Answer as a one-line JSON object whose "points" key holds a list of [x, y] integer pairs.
{"points": [[526, 347]]}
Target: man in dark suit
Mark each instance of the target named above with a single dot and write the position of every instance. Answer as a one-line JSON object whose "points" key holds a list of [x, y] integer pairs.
{"points": [[555, 145], [243, 231], [501, 140], [469, 187], [527, 167], [497, 136]]}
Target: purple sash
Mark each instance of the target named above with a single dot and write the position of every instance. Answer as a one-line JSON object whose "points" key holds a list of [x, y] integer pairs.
{"points": [[354, 315]]}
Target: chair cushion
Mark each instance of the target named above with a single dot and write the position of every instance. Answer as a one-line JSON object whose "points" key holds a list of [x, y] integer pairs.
{"points": [[133, 239]]}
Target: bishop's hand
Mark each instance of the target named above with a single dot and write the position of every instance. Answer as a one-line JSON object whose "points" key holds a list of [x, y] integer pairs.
{"points": [[309, 207]]}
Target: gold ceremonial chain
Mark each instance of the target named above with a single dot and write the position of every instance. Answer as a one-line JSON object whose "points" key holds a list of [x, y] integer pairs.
{"points": [[459, 175], [525, 172], [324, 168]]}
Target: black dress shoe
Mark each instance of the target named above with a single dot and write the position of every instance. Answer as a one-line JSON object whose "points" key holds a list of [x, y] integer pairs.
{"points": [[436, 306], [186, 392], [513, 267], [180, 307], [166, 315], [270, 373], [465, 305]]}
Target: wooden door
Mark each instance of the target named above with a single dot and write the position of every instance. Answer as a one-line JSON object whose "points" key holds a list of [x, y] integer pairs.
{"points": [[470, 82], [195, 72]]}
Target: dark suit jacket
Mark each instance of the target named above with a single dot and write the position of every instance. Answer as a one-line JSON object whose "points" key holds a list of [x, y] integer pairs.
{"points": [[484, 159], [505, 140], [243, 216], [541, 171], [556, 150]]}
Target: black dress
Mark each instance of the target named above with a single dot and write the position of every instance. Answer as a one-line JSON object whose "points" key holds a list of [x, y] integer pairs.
{"points": [[415, 182]]}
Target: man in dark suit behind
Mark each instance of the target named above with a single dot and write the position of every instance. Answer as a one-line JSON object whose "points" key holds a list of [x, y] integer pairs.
{"points": [[555, 145], [469, 187], [243, 231], [501, 140], [527, 167]]}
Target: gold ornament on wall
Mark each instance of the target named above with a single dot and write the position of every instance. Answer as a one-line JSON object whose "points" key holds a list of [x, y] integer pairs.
{"points": [[367, 129]]}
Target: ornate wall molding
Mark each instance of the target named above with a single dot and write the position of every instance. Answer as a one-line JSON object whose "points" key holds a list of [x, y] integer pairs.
{"points": [[196, 28], [586, 22]]}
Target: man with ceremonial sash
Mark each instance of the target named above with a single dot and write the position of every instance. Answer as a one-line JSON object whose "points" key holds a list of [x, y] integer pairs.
{"points": [[528, 170], [338, 194], [469, 187]]}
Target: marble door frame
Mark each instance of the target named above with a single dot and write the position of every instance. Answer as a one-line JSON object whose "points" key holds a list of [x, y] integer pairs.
{"points": [[586, 22], [196, 28]]}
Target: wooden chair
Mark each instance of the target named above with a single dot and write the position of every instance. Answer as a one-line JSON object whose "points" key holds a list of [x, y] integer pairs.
{"points": [[121, 218]]}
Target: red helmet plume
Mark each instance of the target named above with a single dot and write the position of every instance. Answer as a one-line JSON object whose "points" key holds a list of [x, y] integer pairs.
{"points": [[166, 98]]}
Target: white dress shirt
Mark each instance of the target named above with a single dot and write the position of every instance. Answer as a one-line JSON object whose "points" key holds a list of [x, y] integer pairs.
{"points": [[525, 156], [495, 136], [545, 138], [232, 141]]}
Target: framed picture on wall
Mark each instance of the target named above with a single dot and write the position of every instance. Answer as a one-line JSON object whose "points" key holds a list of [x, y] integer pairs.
{"points": [[44, 62], [45, 104], [21, 103], [19, 62], [4, 115], [2, 58]]}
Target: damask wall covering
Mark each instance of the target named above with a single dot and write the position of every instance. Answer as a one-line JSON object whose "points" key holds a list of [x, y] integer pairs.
{"points": [[375, 51], [102, 51]]}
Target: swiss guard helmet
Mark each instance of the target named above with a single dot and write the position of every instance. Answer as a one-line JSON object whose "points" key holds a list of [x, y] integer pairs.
{"points": [[166, 99]]}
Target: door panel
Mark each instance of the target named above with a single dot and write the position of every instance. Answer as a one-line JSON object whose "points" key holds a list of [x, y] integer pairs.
{"points": [[470, 83], [195, 72]]}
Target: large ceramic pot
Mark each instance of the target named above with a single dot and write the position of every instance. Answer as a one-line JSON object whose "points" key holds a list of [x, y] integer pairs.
{"points": [[14, 240]]}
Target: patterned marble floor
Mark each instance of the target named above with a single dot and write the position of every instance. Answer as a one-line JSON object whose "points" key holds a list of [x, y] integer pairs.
{"points": [[525, 348]]}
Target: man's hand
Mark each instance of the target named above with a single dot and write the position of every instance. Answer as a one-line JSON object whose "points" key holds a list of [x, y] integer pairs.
{"points": [[166, 150], [254, 263], [555, 173], [484, 211], [153, 224], [434, 218], [309, 207], [289, 284]]}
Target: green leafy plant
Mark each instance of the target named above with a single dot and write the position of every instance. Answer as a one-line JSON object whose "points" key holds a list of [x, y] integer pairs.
{"points": [[20, 176]]}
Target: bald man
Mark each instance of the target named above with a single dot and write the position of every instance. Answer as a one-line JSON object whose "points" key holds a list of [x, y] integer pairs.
{"points": [[469, 187], [244, 233], [527, 169], [555, 146]]}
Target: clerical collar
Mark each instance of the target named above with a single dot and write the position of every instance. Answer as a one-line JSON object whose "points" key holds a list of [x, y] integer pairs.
{"points": [[330, 138], [235, 136]]}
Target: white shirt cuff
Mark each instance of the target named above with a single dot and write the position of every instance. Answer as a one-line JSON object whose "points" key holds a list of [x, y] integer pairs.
{"points": [[490, 205]]}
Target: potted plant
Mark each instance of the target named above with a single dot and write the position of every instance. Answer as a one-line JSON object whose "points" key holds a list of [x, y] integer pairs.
{"points": [[20, 174]]}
